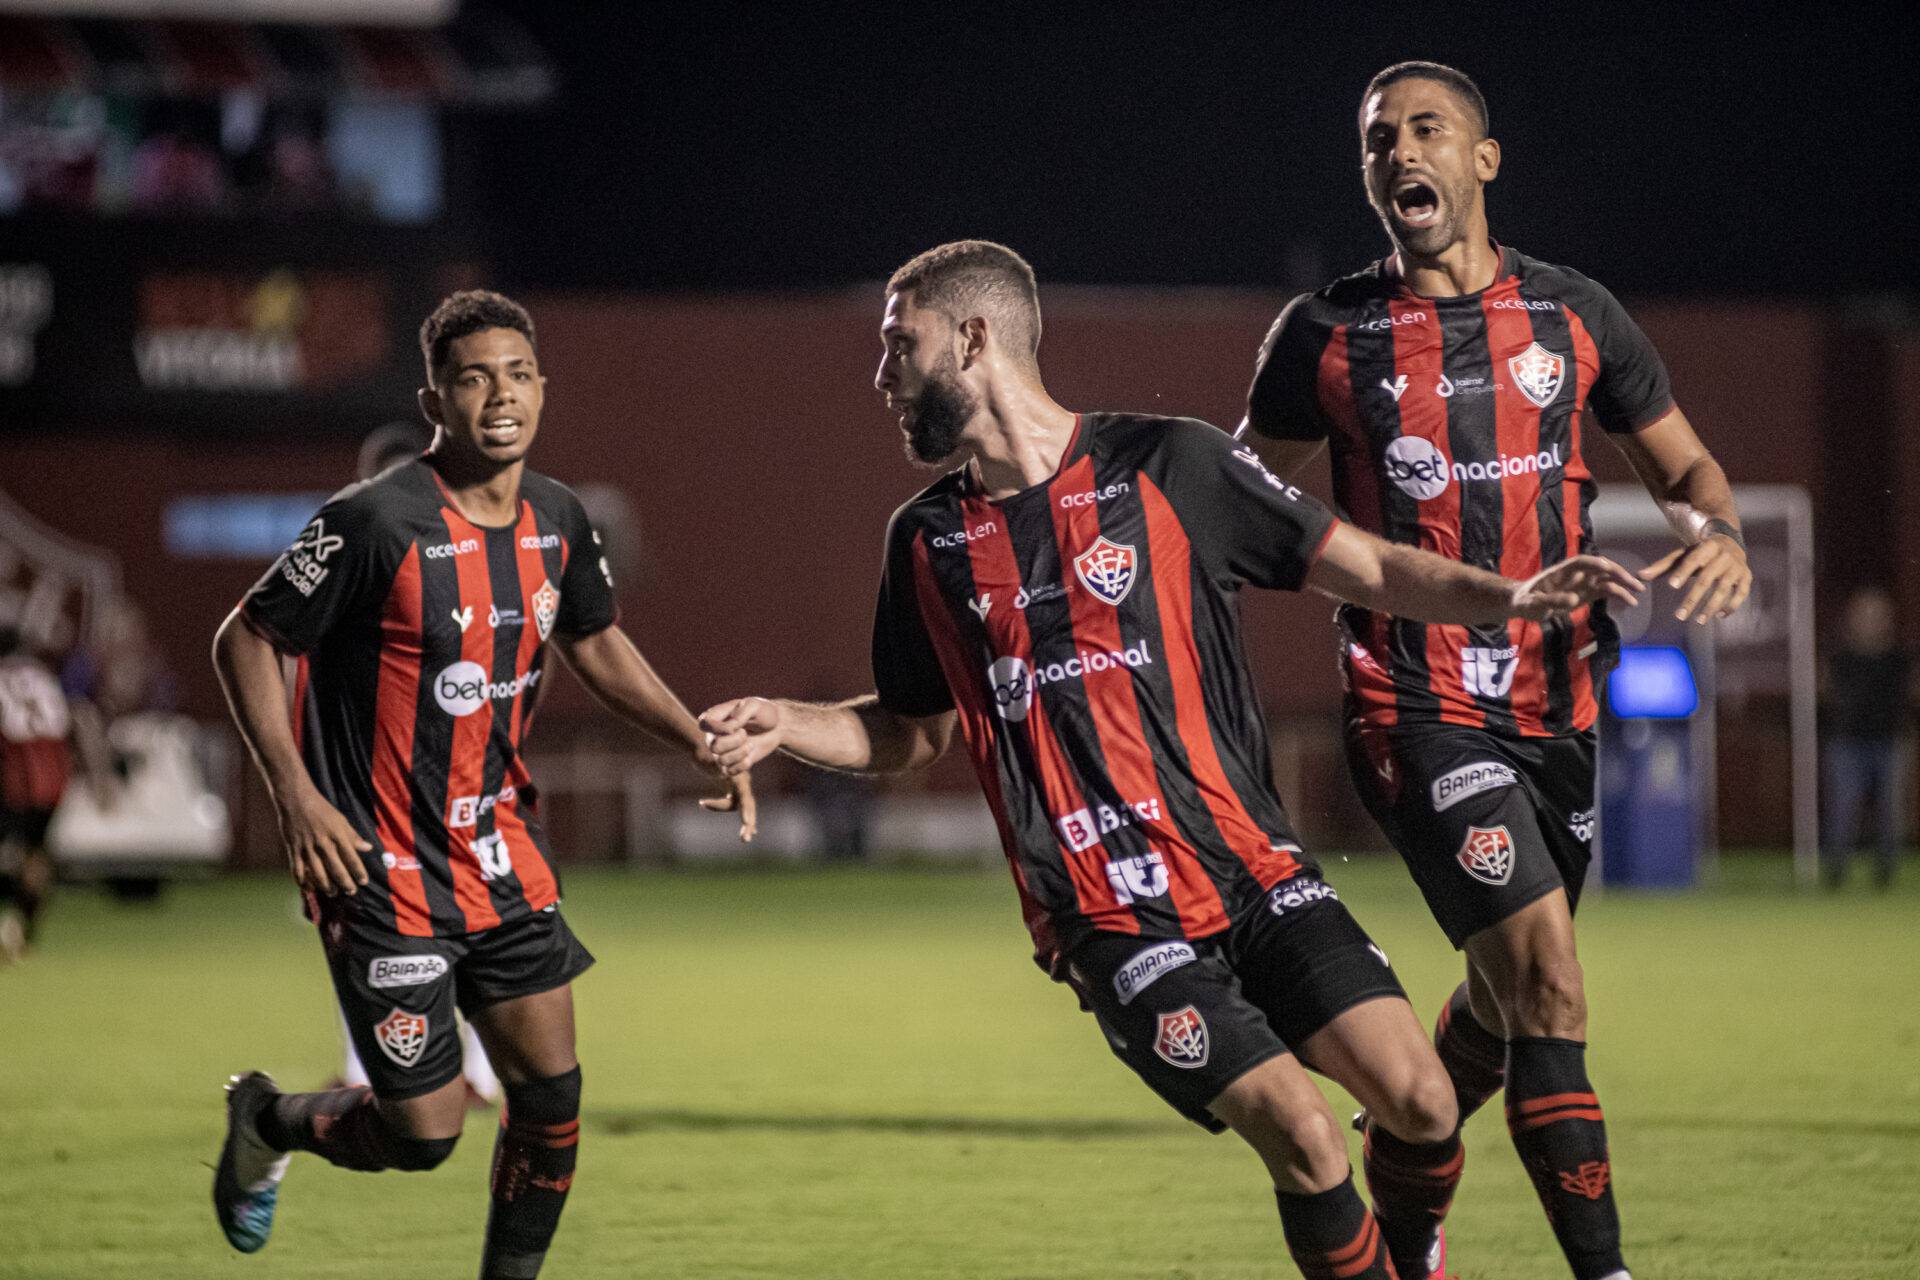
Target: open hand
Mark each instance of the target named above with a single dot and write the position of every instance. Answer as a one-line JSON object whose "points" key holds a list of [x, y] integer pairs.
{"points": [[1573, 582], [1718, 569]]}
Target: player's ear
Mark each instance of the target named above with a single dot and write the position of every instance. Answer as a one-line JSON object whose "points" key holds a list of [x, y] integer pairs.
{"points": [[1486, 159], [973, 339], [430, 404]]}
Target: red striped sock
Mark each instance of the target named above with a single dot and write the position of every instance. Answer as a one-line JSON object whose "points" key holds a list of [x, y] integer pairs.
{"points": [[1332, 1235], [1412, 1185], [1561, 1135], [1475, 1058]]}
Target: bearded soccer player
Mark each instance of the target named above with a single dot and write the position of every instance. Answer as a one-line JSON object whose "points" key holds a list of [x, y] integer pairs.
{"points": [[1066, 597], [1451, 379], [423, 601]]}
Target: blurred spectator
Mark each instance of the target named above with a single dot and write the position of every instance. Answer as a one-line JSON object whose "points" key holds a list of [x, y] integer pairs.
{"points": [[1869, 685], [123, 670], [35, 765], [401, 440], [176, 168]]}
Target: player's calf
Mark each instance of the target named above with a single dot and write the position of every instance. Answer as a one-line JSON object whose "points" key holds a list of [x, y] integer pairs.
{"points": [[533, 1164], [1475, 1057], [346, 1127], [1561, 1135]]}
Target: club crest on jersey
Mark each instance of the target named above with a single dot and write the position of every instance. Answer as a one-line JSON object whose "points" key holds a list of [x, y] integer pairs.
{"points": [[1181, 1038], [1487, 854], [1538, 373], [546, 607], [402, 1036], [1107, 569]]}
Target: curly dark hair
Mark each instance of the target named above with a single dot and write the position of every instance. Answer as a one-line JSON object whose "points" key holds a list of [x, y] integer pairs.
{"points": [[469, 311]]}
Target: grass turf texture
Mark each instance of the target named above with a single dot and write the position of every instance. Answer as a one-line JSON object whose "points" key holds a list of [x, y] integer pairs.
{"points": [[858, 1073]]}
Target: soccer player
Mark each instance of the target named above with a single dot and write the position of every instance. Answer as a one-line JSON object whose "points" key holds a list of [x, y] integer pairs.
{"points": [[1067, 597], [36, 763], [424, 601], [390, 445], [1451, 378]]}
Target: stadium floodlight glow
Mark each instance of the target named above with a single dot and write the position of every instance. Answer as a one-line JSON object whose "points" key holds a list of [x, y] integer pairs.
{"points": [[1653, 682]]}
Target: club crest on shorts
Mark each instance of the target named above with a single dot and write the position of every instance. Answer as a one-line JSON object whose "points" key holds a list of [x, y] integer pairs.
{"points": [[1538, 373], [1487, 854], [402, 1036], [1181, 1038], [1107, 569], [546, 607]]}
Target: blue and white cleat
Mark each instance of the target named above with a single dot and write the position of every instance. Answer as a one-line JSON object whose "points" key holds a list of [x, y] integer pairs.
{"points": [[246, 1185]]}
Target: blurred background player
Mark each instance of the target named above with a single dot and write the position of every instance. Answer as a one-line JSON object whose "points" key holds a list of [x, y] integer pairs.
{"points": [[390, 445], [1871, 686], [36, 762], [1450, 378], [1068, 596], [424, 600]]}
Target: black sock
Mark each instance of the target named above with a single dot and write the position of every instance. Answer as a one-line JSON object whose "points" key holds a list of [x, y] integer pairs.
{"points": [[533, 1160], [1332, 1235], [344, 1127], [1558, 1130], [1475, 1058], [1412, 1184]]}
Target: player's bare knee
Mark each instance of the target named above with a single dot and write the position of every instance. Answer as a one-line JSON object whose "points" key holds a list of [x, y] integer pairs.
{"points": [[1315, 1155], [1423, 1110]]}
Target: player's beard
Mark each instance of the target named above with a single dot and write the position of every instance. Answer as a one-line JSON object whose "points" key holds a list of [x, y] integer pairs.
{"points": [[1431, 241], [938, 415]]}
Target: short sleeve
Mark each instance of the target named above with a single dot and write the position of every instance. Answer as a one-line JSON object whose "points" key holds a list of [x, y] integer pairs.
{"points": [[1284, 401], [1249, 524], [587, 601], [1632, 390], [906, 669], [330, 572]]}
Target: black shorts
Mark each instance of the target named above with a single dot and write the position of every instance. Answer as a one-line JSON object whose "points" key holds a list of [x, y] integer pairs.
{"points": [[1487, 824], [398, 993], [1190, 1018]]}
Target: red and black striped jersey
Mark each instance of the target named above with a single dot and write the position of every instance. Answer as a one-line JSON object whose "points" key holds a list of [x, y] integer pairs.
{"points": [[424, 637], [1086, 630], [1455, 426], [35, 763]]}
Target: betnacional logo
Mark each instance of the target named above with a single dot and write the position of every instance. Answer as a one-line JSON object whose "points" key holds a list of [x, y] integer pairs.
{"points": [[1107, 569], [1417, 467], [1487, 854], [464, 688], [1538, 373], [1013, 682]]}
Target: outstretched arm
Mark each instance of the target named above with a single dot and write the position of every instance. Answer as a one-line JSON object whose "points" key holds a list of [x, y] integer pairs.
{"points": [[1357, 566], [857, 736], [323, 849], [1694, 494], [623, 681]]}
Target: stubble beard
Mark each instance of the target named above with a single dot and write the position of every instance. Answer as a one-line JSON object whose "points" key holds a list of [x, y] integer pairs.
{"points": [[938, 417]]}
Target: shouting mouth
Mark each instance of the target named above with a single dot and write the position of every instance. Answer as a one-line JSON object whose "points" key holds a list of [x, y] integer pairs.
{"points": [[1416, 203]]}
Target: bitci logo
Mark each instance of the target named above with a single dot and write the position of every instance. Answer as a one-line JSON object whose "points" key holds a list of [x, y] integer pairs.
{"points": [[1487, 854], [1181, 1038]]}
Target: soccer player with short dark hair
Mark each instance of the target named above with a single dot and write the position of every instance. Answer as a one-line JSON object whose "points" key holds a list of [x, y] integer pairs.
{"points": [[423, 601], [1066, 597], [1452, 378]]}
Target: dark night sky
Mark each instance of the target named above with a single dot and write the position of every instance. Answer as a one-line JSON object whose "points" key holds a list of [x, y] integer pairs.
{"points": [[1700, 149]]}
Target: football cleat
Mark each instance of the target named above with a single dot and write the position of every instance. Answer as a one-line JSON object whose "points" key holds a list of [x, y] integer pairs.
{"points": [[246, 1184]]}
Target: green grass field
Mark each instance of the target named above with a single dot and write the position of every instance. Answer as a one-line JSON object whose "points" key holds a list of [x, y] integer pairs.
{"points": [[860, 1074]]}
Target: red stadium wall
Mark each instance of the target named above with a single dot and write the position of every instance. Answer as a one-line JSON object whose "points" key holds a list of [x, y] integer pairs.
{"points": [[763, 467]]}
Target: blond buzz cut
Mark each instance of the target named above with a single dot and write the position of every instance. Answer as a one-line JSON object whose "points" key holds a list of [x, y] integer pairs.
{"points": [[969, 278]]}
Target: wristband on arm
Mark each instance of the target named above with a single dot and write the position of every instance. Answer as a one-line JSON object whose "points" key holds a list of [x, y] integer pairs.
{"points": [[1717, 527]]}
